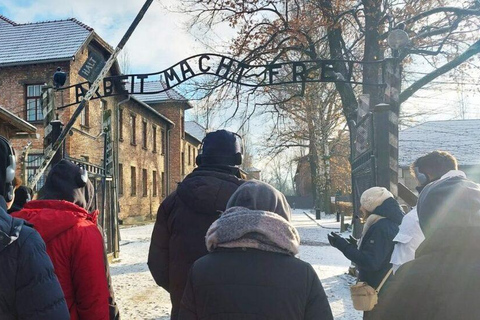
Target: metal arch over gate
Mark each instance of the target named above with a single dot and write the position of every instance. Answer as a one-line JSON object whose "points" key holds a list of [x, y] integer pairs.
{"points": [[227, 68]]}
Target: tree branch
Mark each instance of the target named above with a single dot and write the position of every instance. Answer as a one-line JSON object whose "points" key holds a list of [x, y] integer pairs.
{"points": [[471, 51], [454, 10]]}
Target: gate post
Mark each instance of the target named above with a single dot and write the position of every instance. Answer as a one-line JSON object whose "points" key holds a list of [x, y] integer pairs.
{"points": [[386, 128]]}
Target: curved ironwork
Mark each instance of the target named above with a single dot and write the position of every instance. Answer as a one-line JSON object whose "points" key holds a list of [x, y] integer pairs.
{"points": [[227, 68]]}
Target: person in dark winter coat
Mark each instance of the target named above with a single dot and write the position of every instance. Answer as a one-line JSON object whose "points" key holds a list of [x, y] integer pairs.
{"points": [[184, 217], [443, 282], [23, 194], [29, 288], [251, 271], [373, 251], [74, 243]]}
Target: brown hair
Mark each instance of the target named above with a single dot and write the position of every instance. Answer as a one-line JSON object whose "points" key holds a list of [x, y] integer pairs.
{"points": [[435, 164], [17, 182]]}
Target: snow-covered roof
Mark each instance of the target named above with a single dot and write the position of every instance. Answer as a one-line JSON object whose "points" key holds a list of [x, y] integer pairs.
{"points": [[152, 86], [195, 130], [459, 137], [40, 42]]}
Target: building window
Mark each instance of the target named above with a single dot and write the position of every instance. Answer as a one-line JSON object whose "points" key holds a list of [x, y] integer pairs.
{"points": [[163, 184], [133, 181], [189, 155], [133, 125], [84, 115], [154, 138], [34, 105], [162, 137], [120, 124], [144, 134], [183, 163], [182, 126], [33, 163], [145, 182], [120, 179], [194, 158], [154, 183]]}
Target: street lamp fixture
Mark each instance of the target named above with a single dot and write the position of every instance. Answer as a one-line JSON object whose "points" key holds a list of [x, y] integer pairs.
{"points": [[397, 40]]}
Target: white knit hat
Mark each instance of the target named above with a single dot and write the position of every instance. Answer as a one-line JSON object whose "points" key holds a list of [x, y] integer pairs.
{"points": [[373, 197]]}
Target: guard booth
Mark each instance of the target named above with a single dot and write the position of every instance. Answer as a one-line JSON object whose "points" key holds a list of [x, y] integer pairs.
{"points": [[104, 201]]}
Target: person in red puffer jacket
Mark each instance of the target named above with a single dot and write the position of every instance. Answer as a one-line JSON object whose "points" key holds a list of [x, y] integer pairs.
{"points": [[74, 243]]}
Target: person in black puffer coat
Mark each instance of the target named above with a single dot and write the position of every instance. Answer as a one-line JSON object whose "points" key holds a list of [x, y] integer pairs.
{"points": [[29, 288], [251, 272], [443, 282], [372, 253], [184, 217]]}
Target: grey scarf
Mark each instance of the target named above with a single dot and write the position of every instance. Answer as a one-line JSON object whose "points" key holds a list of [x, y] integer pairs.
{"points": [[240, 227]]}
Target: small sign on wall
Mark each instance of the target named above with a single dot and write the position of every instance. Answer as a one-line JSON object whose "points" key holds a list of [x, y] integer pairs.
{"points": [[93, 66]]}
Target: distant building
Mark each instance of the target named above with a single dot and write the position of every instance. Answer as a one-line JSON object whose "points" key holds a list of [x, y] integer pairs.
{"points": [[303, 177], [459, 137]]}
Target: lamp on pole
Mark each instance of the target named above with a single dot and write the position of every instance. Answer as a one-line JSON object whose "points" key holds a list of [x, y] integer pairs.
{"points": [[387, 113]]}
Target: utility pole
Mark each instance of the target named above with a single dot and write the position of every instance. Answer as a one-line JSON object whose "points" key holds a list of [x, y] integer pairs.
{"points": [[49, 154]]}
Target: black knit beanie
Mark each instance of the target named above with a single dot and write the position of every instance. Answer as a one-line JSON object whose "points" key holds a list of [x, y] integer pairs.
{"points": [[64, 182], [220, 147]]}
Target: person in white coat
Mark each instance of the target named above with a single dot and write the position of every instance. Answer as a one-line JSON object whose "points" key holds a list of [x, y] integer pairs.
{"points": [[433, 166]]}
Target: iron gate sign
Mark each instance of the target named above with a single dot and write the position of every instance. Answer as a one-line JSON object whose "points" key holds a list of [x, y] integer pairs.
{"points": [[92, 67], [225, 68]]}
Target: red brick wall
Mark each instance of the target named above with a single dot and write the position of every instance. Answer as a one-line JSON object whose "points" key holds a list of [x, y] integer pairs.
{"points": [[174, 112], [140, 158]]}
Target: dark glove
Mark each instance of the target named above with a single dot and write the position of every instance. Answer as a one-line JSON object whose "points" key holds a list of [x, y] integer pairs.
{"points": [[337, 241], [352, 240]]}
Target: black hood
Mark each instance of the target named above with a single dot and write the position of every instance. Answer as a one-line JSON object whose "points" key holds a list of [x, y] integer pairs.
{"points": [[451, 202], [258, 195], [391, 210], [64, 182], [207, 190]]}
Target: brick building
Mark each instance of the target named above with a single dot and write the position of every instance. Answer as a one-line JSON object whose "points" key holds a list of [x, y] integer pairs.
{"points": [[142, 158], [194, 134], [148, 131]]}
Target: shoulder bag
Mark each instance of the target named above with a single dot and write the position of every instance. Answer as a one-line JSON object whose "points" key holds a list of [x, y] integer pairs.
{"points": [[365, 297]]}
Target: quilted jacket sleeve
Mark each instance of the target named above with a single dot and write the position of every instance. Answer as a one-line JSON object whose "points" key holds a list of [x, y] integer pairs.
{"points": [[158, 255], [187, 307], [89, 278], [38, 294], [375, 249]]}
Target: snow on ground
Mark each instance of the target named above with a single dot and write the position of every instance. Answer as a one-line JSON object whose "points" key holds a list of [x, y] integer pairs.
{"points": [[139, 298]]}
